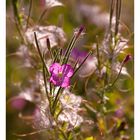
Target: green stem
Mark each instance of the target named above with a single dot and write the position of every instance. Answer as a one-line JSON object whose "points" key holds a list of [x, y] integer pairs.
{"points": [[40, 53], [82, 63], [68, 50], [50, 88], [63, 133], [17, 19], [98, 55], [118, 12], [117, 75], [15, 5], [49, 48], [56, 100], [56, 55], [45, 83], [76, 64], [111, 13], [30, 8], [20, 32], [42, 15]]}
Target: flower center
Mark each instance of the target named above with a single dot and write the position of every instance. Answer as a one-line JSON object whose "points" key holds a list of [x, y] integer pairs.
{"points": [[60, 74]]}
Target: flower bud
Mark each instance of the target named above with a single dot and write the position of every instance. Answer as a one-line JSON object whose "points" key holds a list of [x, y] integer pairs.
{"points": [[80, 31], [127, 58]]}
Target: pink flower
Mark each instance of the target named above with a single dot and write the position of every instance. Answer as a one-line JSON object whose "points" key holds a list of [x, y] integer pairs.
{"points": [[60, 75], [18, 103]]}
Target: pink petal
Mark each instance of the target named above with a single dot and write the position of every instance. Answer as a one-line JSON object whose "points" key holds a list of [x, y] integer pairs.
{"points": [[62, 82], [55, 80], [54, 68], [52, 80], [65, 82], [18, 103], [67, 70]]}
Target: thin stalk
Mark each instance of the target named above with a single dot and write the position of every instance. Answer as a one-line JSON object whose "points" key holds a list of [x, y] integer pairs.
{"points": [[76, 64], [72, 44], [117, 75], [12, 54], [71, 48], [68, 49], [118, 12], [42, 59], [29, 14], [62, 132], [15, 5], [72, 87], [82, 62], [30, 133], [45, 83], [56, 100], [50, 88], [116, 24], [42, 15], [98, 55], [56, 56], [17, 19], [110, 85], [64, 135], [112, 5], [49, 48], [19, 31], [120, 8], [60, 55]]}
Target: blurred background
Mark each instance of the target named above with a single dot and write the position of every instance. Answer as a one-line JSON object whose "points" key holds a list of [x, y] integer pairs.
{"points": [[94, 15]]}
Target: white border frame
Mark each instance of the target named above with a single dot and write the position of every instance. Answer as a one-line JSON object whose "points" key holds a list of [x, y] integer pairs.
{"points": [[2, 70], [137, 70]]}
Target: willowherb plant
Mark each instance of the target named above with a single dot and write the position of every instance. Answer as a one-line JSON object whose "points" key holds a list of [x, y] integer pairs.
{"points": [[59, 72], [55, 105]]}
